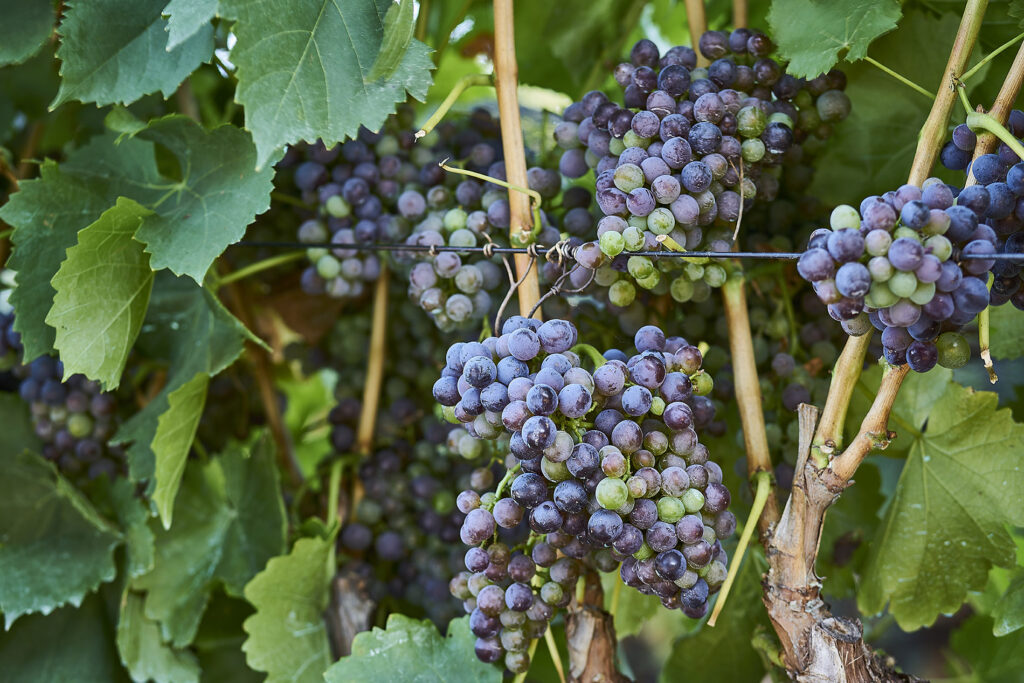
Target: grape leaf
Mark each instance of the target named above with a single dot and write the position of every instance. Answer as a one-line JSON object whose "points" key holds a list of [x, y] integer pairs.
{"points": [[175, 430], [18, 433], [229, 520], [128, 58], [398, 27], [103, 289], [56, 548], [1009, 611], [71, 644], [217, 196], [724, 653], [219, 642], [413, 651], [1007, 332], [26, 28], [185, 18], [304, 74], [133, 518], [946, 525], [810, 35], [190, 329], [142, 651], [287, 635], [992, 660]]}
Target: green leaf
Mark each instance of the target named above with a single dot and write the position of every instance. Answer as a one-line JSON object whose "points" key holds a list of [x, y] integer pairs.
{"points": [[287, 635], [229, 520], [398, 27], [411, 650], [54, 547], [185, 18], [26, 28], [961, 485], [1006, 328], [175, 431], [219, 642], [304, 74], [133, 517], [103, 290], [190, 329], [810, 35], [724, 653], [144, 654], [1009, 611], [18, 433], [128, 58], [68, 645], [633, 608], [991, 659], [217, 196]]}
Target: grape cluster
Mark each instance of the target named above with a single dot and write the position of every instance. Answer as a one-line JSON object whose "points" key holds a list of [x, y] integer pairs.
{"points": [[896, 266], [1000, 189], [687, 150], [607, 468], [73, 418]]}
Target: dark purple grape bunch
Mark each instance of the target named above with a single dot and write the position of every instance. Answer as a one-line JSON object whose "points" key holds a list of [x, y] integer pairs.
{"points": [[74, 419], [688, 149], [616, 479], [999, 179], [897, 266], [403, 536]]}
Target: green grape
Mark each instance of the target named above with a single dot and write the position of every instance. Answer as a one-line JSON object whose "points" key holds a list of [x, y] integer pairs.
{"points": [[751, 122], [924, 293], [454, 219], [605, 276], [336, 206], [554, 471], [880, 296], [462, 238], [644, 552], [693, 500], [80, 425], [939, 246], [658, 405], [328, 267], [628, 177], [902, 284], [681, 289], [638, 222], [631, 139], [315, 253], [612, 243], [672, 509], [661, 221], [844, 216], [612, 493], [616, 146], [633, 238], [640, 267], [903, 231], [651, 281], [784, 119], [701, 291], [694, 271], [702, 383], [621, 293], [954, 351], [714, 275]]}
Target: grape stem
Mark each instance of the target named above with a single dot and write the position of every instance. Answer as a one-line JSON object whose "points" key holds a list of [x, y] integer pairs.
{"points": [[748, 392], [978, 121], [254, 268], [533, 648], [829, 437], [739, 13], [590, 352], [460, 87], [556, 658], [506, 81], [764, 488], [899, 77], [698, 25], [534, 195], [873, 431], [991, 55], [509, 476], [375, 364]]}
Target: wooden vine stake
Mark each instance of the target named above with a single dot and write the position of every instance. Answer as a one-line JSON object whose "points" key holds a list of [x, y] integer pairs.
{"points": [[817, 646], [506, 82]]}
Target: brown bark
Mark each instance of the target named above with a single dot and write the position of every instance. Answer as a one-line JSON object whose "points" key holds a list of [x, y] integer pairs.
{"points": [[590, 634], [350, 611]]}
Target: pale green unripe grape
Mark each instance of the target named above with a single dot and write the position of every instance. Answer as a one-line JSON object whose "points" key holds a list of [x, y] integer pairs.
{"points": [[803, 100], [748, 189], [705, 200], [386, 146], [693, 500], [328, 267], [637, 486], [491, 196], [628, 177], [671, 509], [880, 268], [779, 117], [639, 267], [605, 276], [638, 222], [454, 219], [844, 216], [701, 291], [902, 284], [661, 221], [750, 122], [702, 383], [448, 413], [938, 224], [622, 293], [591, 159], [656, 442], [694, 271], [469, 280], [714, 275], [681, 289], [651, 281], [633, 238], [878, 243], [554, 471], [616, 146], [337, 206], [80, 425], [612, 493], [314, 254], [552, 593], [880, 296], [715, 572], [658, 405], [906, 232], [924, 293], [631, 139], [709, 533], [612, 243], [644, 552], [939, 246], [463, 237]]}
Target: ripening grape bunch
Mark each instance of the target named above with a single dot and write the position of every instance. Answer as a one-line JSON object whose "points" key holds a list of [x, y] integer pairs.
{"points": [[686, 150], [74, 419], [999, 189], [896, 266], [606, 467]]}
